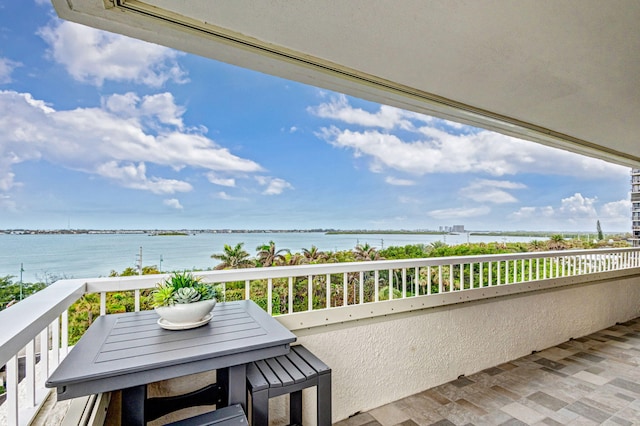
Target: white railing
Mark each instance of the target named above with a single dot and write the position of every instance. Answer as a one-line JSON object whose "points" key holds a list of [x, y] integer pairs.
{"points": [[40, 323]]}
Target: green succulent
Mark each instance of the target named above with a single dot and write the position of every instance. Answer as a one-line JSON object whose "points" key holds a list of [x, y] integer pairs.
{"points": [[186, 295], [163, 295], [182, 287]]}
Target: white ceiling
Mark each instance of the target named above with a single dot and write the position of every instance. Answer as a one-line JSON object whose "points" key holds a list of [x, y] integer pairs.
{"points": [[563, 73]]}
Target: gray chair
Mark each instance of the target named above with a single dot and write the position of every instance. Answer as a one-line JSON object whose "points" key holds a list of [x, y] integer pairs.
{"points": [[289, 374]]}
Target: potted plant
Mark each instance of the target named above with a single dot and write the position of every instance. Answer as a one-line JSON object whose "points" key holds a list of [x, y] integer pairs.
{"points": [[182, 301]]}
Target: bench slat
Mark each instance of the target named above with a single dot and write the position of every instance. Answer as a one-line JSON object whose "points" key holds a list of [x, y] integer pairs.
{"points": [[311, 359], [301, 364], [282, 374], [295, 374], [268, 374]]}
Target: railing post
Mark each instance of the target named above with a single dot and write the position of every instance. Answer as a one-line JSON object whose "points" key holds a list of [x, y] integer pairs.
{"points": [[270, 296], [44, 352], [328, 280], [30, 372], [12, 390], [290, 296], [345, 289]]}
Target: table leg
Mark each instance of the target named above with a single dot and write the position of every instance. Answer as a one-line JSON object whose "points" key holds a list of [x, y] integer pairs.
{"points": [[133, 400], [237, 385]]}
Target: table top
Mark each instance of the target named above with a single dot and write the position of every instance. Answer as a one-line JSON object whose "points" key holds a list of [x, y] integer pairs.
{"points": [[124, 350]]}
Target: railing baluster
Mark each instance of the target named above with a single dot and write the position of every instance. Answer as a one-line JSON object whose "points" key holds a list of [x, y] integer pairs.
{"points": [[11, 385], [270, 296], [440, 279], [451, 283], [416, 281], [490, 277], [361, 289], [461, 276], [247, 289], [310, 293], [328, 295], [376, 283], [55, 342], [103, 303], [44, 352], [64, 334], [136, 300], [390, 284], [498, 271], [481, 275], [290, 295], [345, 289], [30, 372], [404, 283]]}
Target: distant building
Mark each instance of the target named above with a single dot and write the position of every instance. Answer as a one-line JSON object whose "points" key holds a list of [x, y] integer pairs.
{"points": [[454, 228], [635, 207]]}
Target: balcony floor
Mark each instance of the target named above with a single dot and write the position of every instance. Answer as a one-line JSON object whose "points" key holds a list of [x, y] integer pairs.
{"points": [[591, 380]]}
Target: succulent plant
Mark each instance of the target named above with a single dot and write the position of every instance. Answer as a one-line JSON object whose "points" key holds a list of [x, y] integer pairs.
{"points": [[182, 288], [186, 295]]}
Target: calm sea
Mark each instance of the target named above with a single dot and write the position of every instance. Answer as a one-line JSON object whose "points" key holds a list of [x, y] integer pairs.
{"points": [[94, 255]]}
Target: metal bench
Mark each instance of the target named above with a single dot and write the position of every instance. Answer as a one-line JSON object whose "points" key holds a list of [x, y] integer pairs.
{"points": [[289, 374], [227, 416]]}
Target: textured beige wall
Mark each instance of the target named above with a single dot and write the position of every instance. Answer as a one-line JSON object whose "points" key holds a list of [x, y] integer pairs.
{"points": [[378, 361]]}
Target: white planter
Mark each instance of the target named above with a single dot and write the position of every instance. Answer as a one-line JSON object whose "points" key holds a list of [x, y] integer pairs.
{"points": [[186, 313]]}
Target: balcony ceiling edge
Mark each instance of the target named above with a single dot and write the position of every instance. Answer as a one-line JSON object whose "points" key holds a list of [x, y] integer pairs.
{"points": [[153, 24]]}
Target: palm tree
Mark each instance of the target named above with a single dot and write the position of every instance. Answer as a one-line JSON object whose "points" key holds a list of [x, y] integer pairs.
{"points": [[537, 245], [269, 256], [366, 252], [557, 242], [233, 258], [313, 255]]}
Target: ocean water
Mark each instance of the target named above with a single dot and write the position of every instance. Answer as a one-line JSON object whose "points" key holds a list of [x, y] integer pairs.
{"points": [[49, 257]]}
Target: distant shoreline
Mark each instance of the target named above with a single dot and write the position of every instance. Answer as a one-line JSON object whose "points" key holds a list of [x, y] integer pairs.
{"points": [[183, 232]]}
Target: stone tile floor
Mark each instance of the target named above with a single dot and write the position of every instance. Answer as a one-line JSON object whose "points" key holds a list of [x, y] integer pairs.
{"points": [[592, 380]]}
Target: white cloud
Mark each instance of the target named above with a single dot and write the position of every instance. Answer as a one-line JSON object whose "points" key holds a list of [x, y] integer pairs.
{"points": [[274, 186], [115, 142], [135, 177], [578, 206], [459, 212], [492, 191], [224, 196], [459, 149], [173, 203], [525, 213], [399, 182], [387, 117], [617, 210], [93, 56], [580, 212], [216, 180], [6, 68]]}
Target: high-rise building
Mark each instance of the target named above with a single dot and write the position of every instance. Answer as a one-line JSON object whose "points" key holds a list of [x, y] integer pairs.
{"points": [[635, 207]]}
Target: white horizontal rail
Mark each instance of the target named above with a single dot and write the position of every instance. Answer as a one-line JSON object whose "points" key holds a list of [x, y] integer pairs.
{"points": [[286, 290]]}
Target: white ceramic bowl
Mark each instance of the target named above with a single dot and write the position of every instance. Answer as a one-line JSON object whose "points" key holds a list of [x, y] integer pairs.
{"points": [[186, 313]]}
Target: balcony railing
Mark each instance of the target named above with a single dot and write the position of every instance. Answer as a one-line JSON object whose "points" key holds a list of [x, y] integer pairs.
{"points": [[301, 296]]}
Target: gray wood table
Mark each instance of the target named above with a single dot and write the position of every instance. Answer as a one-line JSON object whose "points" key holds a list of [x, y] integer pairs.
{"points": [[128, 351]]}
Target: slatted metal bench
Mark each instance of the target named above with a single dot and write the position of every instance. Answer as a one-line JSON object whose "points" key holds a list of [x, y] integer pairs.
{"points": [[227, 416], [289, 374]]}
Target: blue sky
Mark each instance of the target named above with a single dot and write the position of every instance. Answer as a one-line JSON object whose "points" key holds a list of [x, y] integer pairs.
{"points": [[101, 131]]}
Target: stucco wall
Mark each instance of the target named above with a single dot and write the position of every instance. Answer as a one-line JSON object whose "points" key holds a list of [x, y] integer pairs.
{"points": [[381, 360]]}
